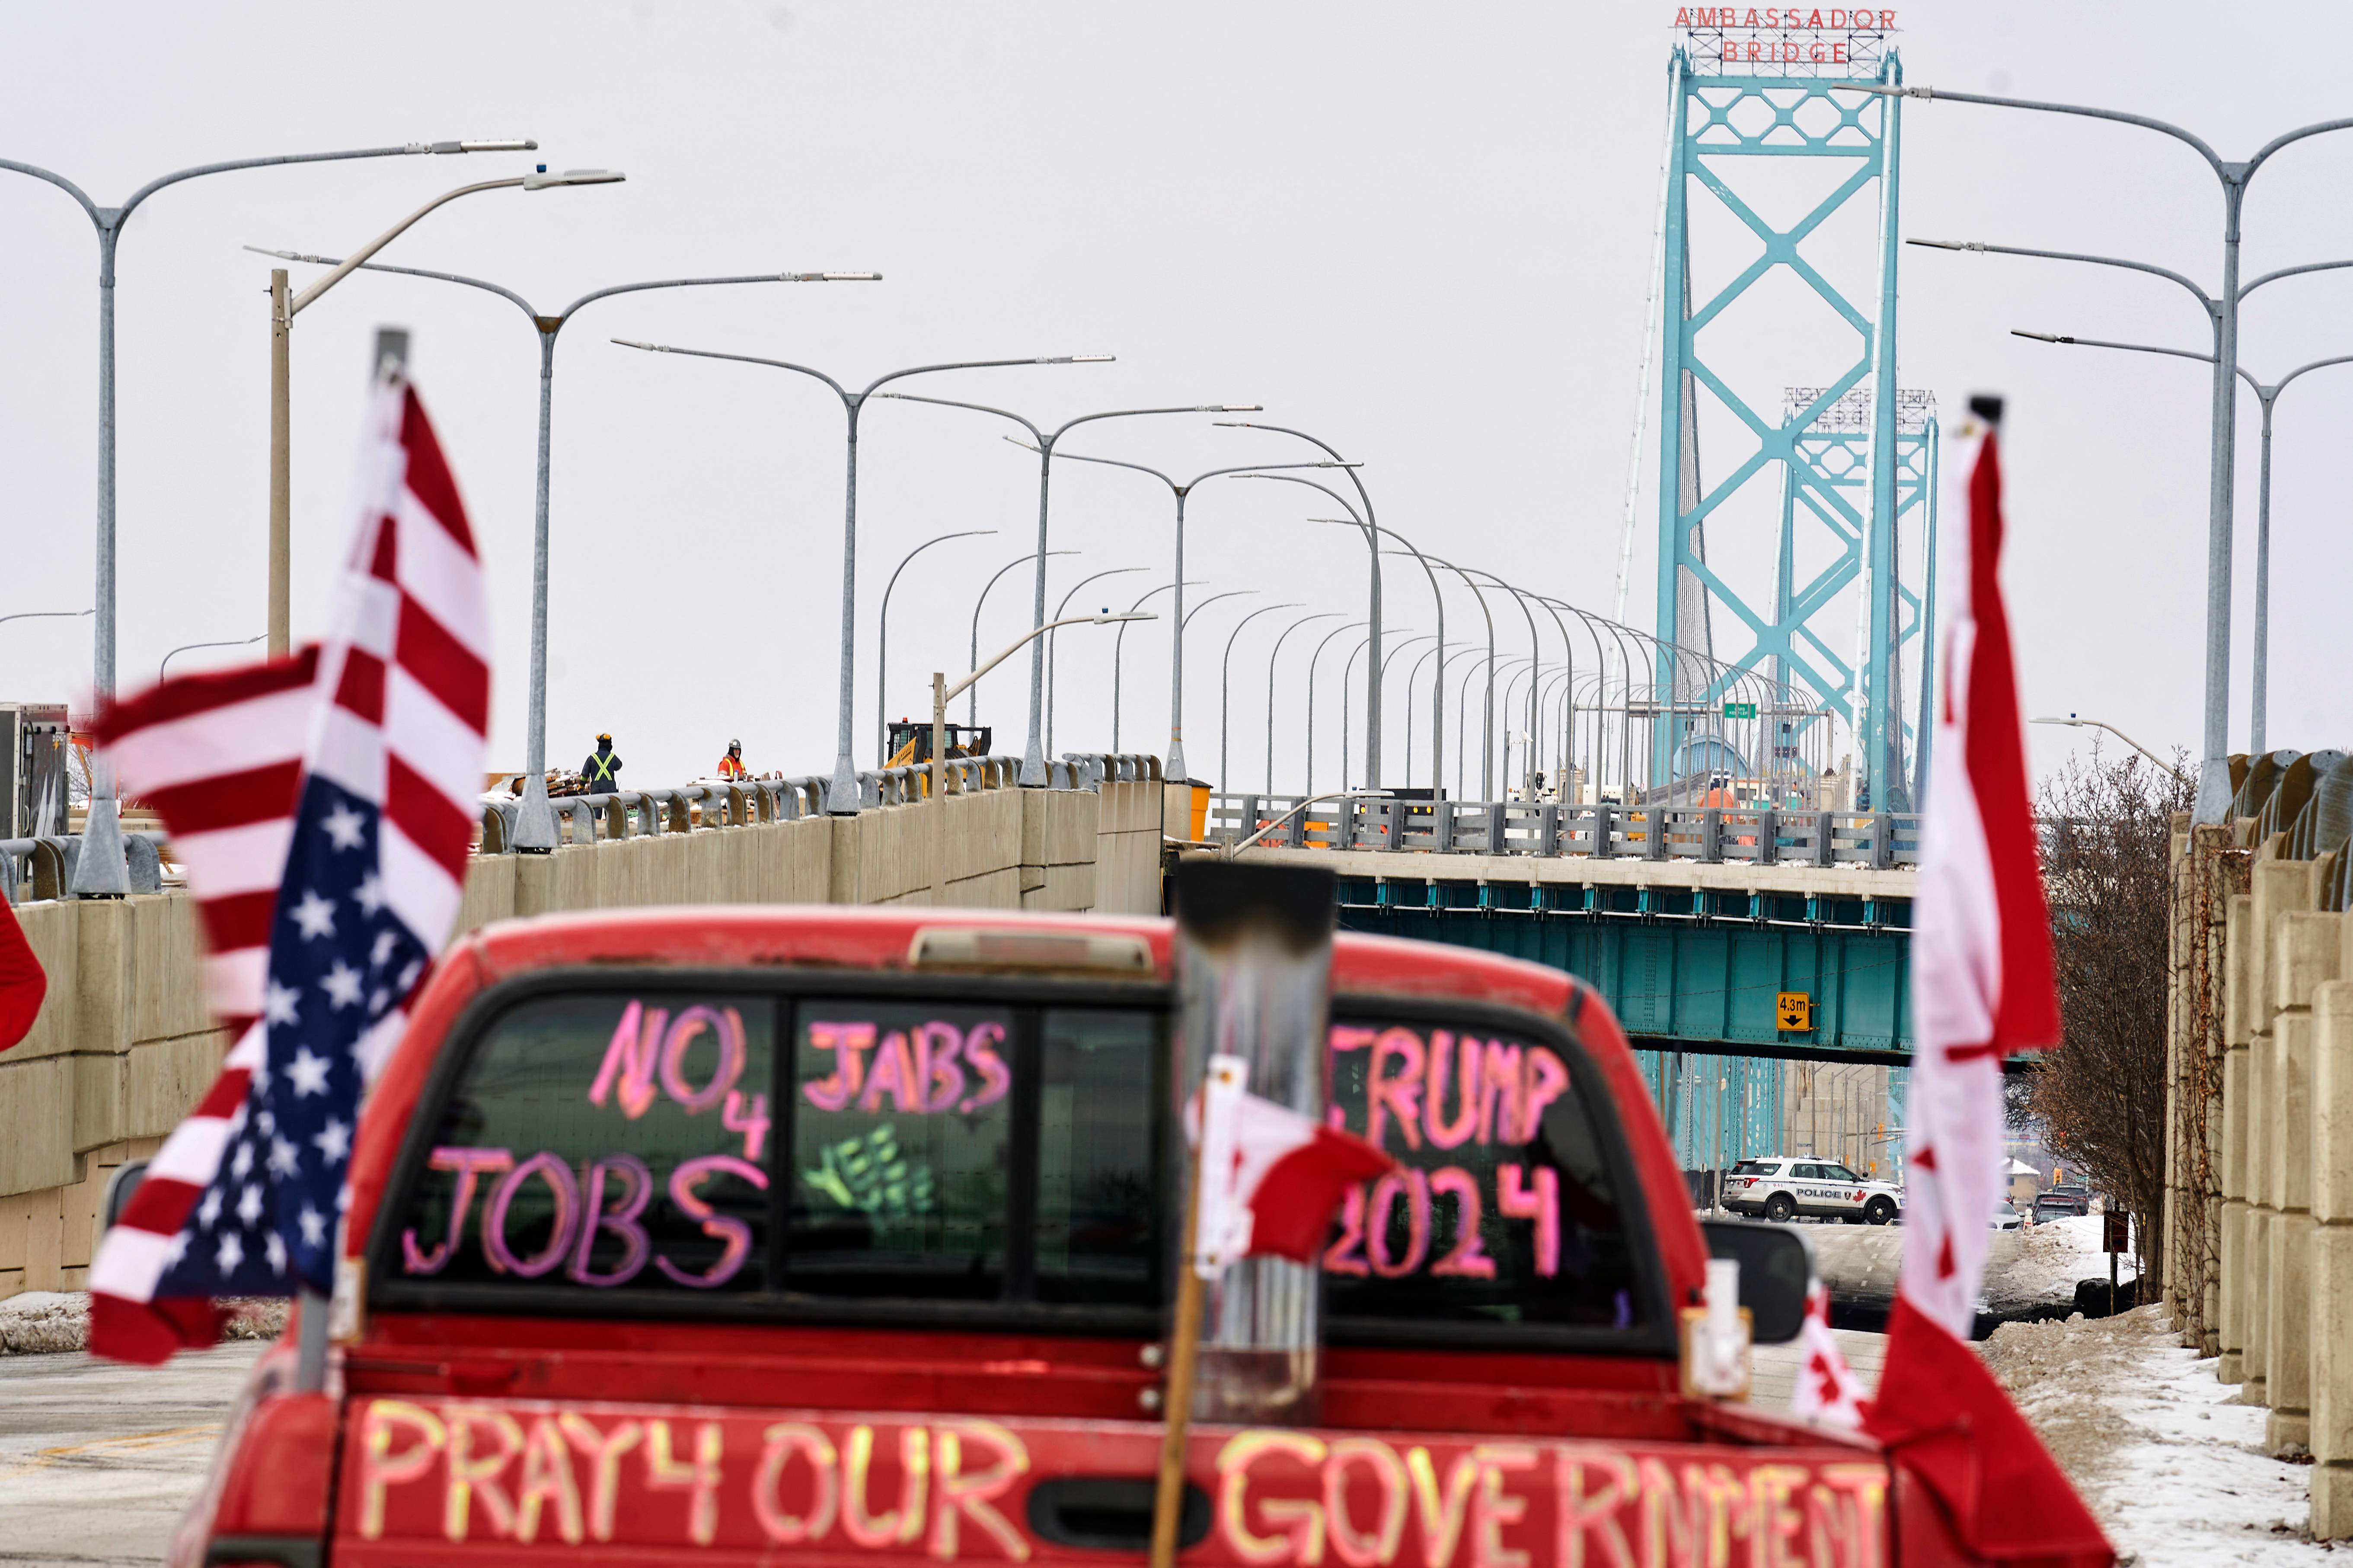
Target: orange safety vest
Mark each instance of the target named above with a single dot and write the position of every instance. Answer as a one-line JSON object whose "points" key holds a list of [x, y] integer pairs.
{"points": [[731, 767]]}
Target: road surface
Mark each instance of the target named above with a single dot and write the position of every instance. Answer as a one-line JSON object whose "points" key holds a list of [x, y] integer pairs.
{"points": [[97, 1459]]}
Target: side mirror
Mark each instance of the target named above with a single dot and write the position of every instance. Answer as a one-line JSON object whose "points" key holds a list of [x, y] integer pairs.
{"points": [[119, 1188], [1776, 1270]]}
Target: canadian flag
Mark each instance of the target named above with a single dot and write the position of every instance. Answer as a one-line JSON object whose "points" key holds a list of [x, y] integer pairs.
{"points": [[1270, 1178], [1827, 1389], [1981, 990]]}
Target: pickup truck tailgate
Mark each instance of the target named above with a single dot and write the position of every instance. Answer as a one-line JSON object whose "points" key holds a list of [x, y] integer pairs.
{"points": [[439, 1480]]}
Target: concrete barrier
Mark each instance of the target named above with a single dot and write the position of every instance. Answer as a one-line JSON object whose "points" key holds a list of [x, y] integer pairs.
{"points": [[122, 1047]]}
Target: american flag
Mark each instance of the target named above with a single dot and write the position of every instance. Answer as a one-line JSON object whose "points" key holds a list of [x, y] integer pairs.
{"points": [[359, 848]]}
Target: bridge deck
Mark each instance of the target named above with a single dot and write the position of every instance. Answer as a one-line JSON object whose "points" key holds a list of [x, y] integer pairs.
{"points": [[1690, 956]]}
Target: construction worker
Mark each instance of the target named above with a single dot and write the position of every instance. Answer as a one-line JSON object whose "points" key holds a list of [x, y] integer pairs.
{"points": [[731, 766], [602, 769]]}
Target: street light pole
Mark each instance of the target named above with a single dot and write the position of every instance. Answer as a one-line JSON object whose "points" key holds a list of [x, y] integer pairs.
{"points": [[972, 712], [1225, 684], [1313, 661], [164, 668], [2214, 767], [1347, 674], [942, 693], [1182, 490], [1033, 760], [1119, 652], [843, 793], [99, 869], [285, 305], [2259, 704], [1375, 664], [1487, 713], [1271, 657], [2073, 722], [535, 819], [45, 615], [1054, 642], [883, 640]]}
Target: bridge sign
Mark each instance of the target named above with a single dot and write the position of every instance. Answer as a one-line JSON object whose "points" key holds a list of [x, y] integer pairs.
{"points": [[1740, 710], [1794, 1010]]}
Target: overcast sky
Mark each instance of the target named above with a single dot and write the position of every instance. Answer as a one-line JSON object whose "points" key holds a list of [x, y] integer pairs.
{"points": [[1421, 232]]}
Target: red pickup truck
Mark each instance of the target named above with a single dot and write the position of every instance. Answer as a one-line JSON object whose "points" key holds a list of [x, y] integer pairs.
{"points": [[764, 1235]]}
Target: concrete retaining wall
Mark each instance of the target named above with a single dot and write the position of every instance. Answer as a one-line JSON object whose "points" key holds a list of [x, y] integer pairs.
{"points": [[123, 1048], [2273, 1294]]}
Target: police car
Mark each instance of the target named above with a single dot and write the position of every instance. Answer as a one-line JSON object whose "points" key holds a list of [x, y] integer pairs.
{"points": [[1781, 1187]]}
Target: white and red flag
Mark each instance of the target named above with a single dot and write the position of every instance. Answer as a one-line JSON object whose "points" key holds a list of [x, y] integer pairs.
{"points": [[1827, 1389], [323, 809], [1982, 991], [1271, 1179]]}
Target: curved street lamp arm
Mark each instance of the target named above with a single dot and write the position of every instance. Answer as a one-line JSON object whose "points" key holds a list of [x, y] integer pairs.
{"points": [[483, 283], [1212, 599], [1154, 593], [977, 364], [2207, 301], [838, 390], [1017, 644], [343, 269], [2316, 365], [1362, 494], [2166, 128], [45, 614], [1067, 426], [2263, 152], [595, 294], [2244, 375], [157, 184], [1107, 462], [1108, 572], [75, 192], [941, 539], [974, 408], [191, 647], [1263, 609], [2247, 288]]}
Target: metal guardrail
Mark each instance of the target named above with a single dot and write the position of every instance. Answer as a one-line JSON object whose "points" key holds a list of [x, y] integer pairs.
{"points": [[627, 813], [1711, 834], [36, 870]]}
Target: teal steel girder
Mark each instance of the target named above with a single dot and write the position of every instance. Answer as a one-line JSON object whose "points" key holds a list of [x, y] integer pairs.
{"points": [[1812, 118], [1694, 985]]}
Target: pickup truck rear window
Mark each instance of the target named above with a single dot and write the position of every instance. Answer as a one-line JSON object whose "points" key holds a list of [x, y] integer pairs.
{"points": [[878, 1155], [602, 1143], [1504, 1210]]}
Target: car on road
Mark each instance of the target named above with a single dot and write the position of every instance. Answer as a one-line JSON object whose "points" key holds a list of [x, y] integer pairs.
{"points": [[2007, 1218], [1783, 1187], [765, 1234], [2059, 1202]]}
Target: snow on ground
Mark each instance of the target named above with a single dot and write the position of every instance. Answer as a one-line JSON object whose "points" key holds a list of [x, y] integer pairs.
{"points": [[36, 1323], [2172, 1464], [48, 1322], [2053, 1256]]}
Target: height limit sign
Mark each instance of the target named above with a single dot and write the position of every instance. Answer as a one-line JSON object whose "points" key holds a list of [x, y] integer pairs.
{"points": [[1794, 1011]]}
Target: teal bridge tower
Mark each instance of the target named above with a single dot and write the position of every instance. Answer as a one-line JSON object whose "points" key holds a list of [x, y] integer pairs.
{"points": [[1849, 476]]}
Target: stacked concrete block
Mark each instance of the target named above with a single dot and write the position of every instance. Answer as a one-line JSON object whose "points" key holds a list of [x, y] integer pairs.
{"points": [[2301, 956], [1127, 849], [1058, 848], [2331, 1326]]}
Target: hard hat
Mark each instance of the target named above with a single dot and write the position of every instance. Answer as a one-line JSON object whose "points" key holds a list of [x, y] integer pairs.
{"points": [[604, 734], [734, 745]]}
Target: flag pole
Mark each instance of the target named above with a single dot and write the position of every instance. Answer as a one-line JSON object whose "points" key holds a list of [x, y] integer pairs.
{"points": [[1183, 1355]]}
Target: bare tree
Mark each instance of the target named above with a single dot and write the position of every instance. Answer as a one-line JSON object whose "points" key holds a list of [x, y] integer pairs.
{"points": [[2107, 830]]}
